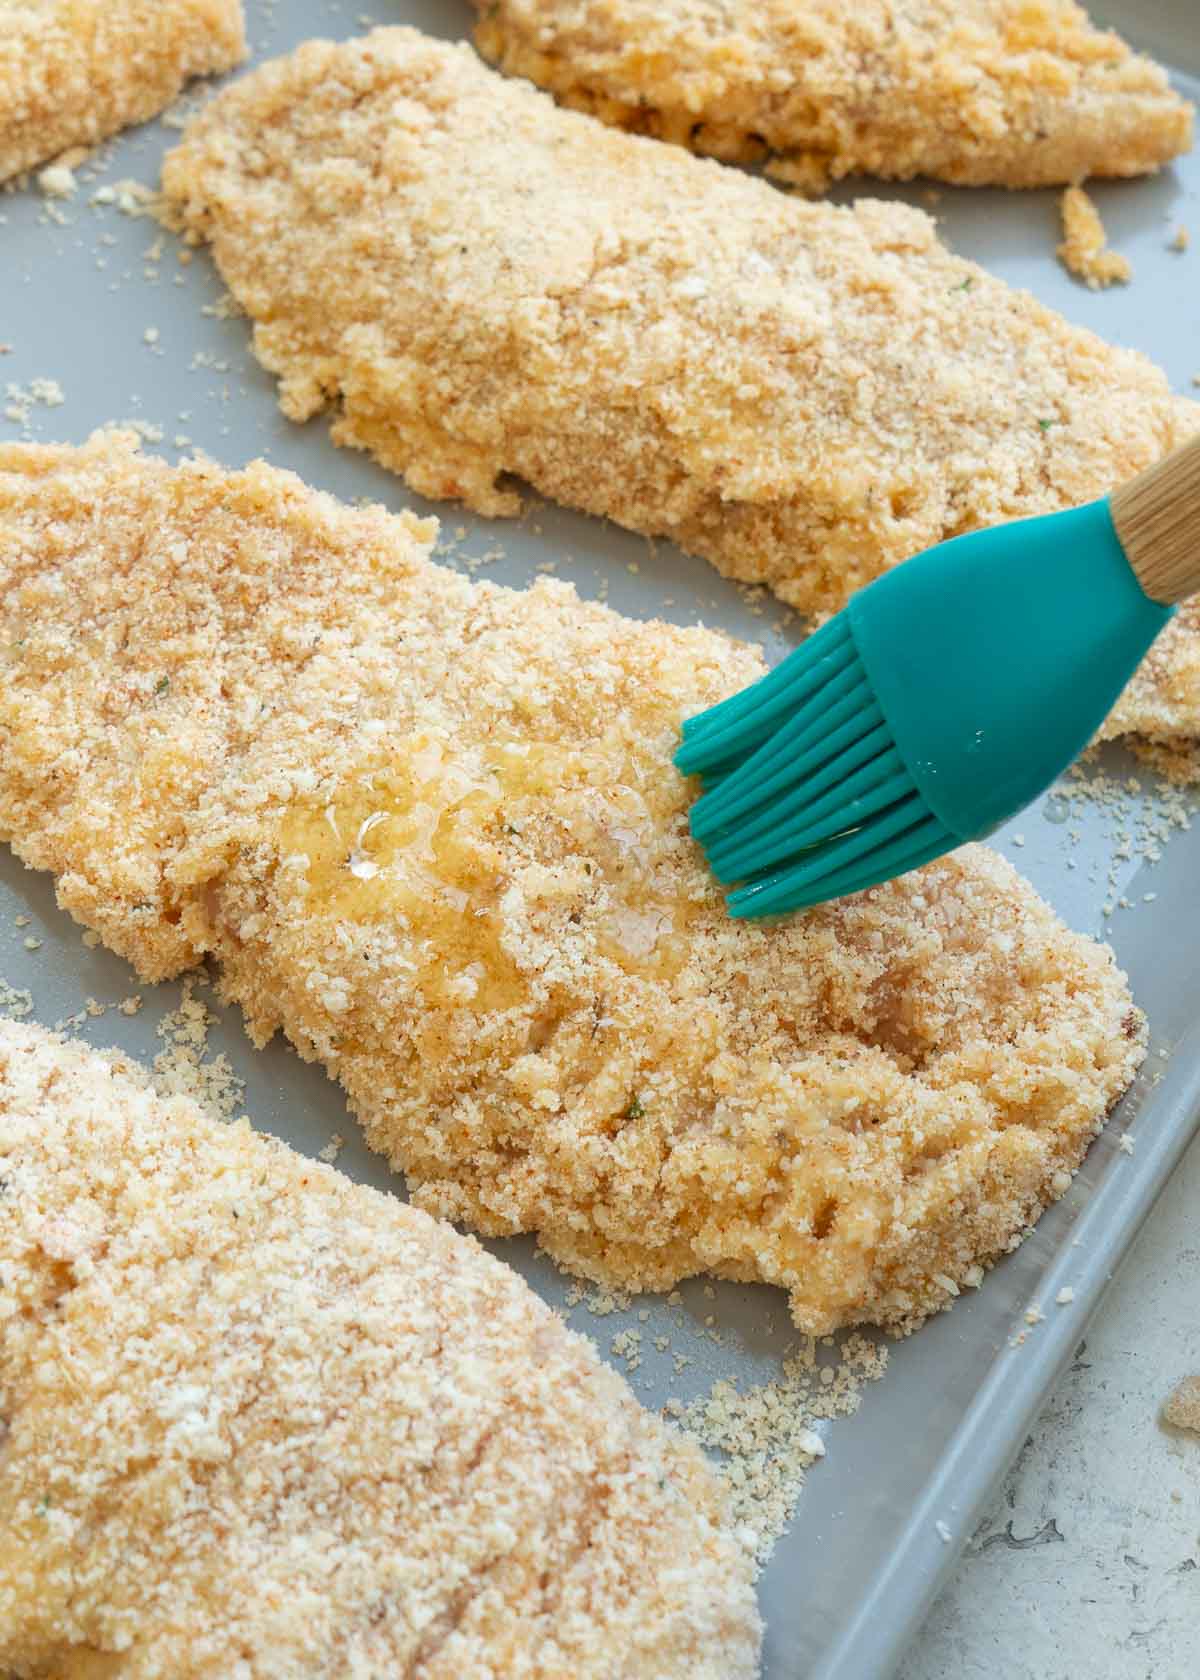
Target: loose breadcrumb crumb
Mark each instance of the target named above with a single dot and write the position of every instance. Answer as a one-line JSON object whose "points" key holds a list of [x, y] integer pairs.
{"points": [[803, 394], [183, 1068], [131, 197], [73, 72], [260, 1420], [21, 400], [57, 181], [601, 1303], [991, 94], [1182, 1408], [627, 1345], [1065, 1296], [431, 829], [15, 1001], [1084, 250]]}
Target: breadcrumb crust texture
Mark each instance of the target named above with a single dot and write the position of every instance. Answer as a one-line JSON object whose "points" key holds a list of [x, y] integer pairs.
{"points": [[72, 72], [1014, 93], [483, 284], [430, 828], [1084, 249], [259, 1421]]}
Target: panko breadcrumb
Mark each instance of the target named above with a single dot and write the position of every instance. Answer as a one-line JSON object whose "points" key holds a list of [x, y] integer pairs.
{"points": [[1182, 1407], [260, 1421], [72, 72], [431, 829], [1161, 706], [484, 284], [1014, 93], [1084, 249]]}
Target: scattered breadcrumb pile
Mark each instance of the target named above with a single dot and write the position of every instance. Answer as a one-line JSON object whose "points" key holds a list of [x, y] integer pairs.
{"points": [[482, 284], [431, 829], [1084, 249], [1013, 93], [73, 72], [764, 1434], [1140, 819], [261, 1420], [1182, 1409]]}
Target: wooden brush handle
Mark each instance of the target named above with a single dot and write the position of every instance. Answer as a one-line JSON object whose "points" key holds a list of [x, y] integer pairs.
{"points": [[1157, 516]]}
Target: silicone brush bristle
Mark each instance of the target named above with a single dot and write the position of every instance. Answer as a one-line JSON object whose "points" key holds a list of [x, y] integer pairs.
{"points": [[806, 797], [728, 732]]}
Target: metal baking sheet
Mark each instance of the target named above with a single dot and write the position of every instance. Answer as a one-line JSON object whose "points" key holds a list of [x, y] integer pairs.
{"points": [[97, 301]]}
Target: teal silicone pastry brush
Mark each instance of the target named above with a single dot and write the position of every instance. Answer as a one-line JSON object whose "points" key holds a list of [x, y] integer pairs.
{"points": [[946, 696]]}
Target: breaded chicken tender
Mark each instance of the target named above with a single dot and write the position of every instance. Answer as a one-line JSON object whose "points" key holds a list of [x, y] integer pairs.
{"points": [[260, 1421], [1161, 706], [482, 284], [72, 72], [431, 829], [1012, 93]]}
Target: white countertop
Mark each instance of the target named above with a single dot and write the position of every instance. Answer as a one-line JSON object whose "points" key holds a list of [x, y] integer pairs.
{"points": [[1087, 1564]]}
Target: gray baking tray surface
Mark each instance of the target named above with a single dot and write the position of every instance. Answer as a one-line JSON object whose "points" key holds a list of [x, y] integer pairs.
{"points": [[96, 300]]}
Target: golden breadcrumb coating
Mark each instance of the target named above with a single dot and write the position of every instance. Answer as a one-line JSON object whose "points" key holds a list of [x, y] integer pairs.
{"points": [[431, 829], [1013, 93], [483, 284], [1162, 703], [260, 1421], [72, 72], [1084, 249]]}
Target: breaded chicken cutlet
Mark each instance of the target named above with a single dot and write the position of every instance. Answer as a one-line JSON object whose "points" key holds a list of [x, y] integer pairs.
{"points": [[261, 1421], [483, 284], [431, 829], [1161, 706], [1012, 93], [72, 72]]}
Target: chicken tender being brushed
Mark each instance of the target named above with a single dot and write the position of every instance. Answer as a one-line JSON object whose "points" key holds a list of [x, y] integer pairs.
{"points": [[261, 1421], [1161, 706], [431, 829], [1012, 93], [484, 284], [72, 72]]}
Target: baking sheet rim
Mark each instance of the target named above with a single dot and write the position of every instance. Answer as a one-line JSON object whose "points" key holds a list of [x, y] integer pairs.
{"points": [[1018, 1384]]}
